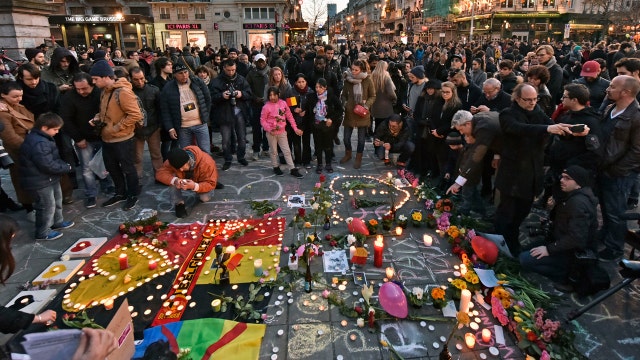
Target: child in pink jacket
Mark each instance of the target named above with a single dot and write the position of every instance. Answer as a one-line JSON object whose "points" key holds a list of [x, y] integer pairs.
{"points": [[273, 119]]}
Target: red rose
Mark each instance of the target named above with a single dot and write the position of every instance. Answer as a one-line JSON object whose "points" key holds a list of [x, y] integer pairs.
{"points": [[301, 212], [531, 336], [323, 178], [358, 309], [328, 237], [333, 243], [541, 345]]}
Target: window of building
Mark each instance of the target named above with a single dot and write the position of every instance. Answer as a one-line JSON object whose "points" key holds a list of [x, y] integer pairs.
{"points": [[528, 4], [182, 13], [199, 12], [76, 10], [506, 3], [141, 10], [164, 13], [259, 13]]}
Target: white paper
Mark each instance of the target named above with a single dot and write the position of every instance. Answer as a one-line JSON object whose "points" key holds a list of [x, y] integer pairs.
{"points": [[40, 299], [497, 329], [450, 309], [498, 240], [296, 201], [335, 261], [487, 277], [52, 345]]}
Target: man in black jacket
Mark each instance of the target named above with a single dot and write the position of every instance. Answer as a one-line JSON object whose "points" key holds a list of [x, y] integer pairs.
{"points": [[545, 54], [150, 133], [393, 136], [185, 105], [493, 97], [519, 179], [231, 96]]}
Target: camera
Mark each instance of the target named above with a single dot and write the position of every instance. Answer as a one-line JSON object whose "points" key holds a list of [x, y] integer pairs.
{"points": [[5, 160], [232, 95]]}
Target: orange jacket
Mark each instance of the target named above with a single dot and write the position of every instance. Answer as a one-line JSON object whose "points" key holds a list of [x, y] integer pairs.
{"points": [[119, 115], [205, 173]]}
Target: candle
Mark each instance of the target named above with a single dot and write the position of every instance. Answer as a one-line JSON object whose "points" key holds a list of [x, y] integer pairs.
{"points": [[378, 248], [124, 262], [398, 231], [486, 335], [108, 304], [465, 298], [352, 251], [152, 265], [463, 269], [216, 305], [257, 267], [334, 280], [470, 340], [350, 192], [427, 239], [390, 272]]}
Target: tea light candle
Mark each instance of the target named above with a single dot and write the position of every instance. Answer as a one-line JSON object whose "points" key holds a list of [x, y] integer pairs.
{"points": [[389, 272], [230, 249], [216, 305], [334, 280], [427, 239], [465, 298], [486, 335], [463, 269], [398, 231], [108, 304], [152, 265], [124, 261], [470, 340], [350, 192], [257, 267]]}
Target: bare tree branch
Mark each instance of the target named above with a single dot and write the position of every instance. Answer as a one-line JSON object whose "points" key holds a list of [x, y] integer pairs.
{"points": [[314, 12]]}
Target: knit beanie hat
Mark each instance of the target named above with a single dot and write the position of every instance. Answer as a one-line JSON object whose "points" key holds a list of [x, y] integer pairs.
{"points": [[101, 68], [579, 174], [99, 55], [177, 158], [418, 72], [32, 52]]}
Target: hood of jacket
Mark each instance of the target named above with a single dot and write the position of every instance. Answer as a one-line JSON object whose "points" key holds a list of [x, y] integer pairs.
{"points": [[58, 54]]}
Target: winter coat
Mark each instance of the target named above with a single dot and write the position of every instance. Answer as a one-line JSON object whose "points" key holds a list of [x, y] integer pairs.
{"points": [[575, 223], [597, 90], [274, 117], [189, 61], [396, 141], [469, 95], [57, 76], [258, 80], [522, 158], [40, 162], [334, 108], [585, 151], [119, 116], [478, 77], [222, 107], [508, 82], [327, 74], [500, 102], [12, 321], [149, 95], [76, 111], [368, 96], [621, 141], [555, 80], [304, 123], [170, 115], [386, 98], [488, 138], [44, 98], [17, 121], [204, 171]]}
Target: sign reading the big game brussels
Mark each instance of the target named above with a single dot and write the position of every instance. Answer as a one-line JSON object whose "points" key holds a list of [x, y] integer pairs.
{"points": [[92, 18]]}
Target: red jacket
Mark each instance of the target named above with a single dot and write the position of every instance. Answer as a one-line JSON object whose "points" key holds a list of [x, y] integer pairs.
{"points": [[205, 173]]}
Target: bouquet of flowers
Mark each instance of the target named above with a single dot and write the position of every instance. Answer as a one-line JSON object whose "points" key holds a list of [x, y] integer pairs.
{"points": [[416, 297], [147, 227], [402, 221], [387, 221], [416, 218]]}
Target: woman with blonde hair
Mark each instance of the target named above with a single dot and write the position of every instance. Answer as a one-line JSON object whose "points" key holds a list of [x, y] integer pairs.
{"points": [[358, 90], [386, 96], [277, 79], [441, 115]]}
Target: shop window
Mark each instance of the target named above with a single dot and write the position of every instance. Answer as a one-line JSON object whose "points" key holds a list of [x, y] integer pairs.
{"points": [[228, 38], [164, 13], [199, 12], [182, 13]]}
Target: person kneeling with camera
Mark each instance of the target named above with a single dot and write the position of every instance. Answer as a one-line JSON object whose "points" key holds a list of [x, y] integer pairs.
{"points": [[571, 244]]}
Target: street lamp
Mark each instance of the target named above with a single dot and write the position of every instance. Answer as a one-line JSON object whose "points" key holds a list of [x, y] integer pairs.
{"points": [[120, 19], [472, 15]]}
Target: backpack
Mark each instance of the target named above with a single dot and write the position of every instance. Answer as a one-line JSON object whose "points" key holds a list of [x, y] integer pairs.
{"points": [[142, 122]]}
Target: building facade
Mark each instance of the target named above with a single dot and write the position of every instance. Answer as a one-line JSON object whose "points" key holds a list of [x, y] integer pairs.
{"points": [[23, 24]]}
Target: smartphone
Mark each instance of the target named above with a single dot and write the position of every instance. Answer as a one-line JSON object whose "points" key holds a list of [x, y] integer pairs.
{"points": [[578, 128]]}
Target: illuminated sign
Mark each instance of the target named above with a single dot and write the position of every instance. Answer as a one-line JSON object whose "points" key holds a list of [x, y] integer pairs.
{"points": [[183, 26], [259, 26]]}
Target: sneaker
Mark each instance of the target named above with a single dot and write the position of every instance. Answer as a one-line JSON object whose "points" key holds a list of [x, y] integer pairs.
{"points": [[244, 162], [319, 169], [608, 255], [67, 200], [130, 203], [114, 200], [51, 235], [226, 166], [328, 168], [219, 186], [277, 171], [255, 156], [181, 211], [90, 202], [63, 225], [296, 173]]}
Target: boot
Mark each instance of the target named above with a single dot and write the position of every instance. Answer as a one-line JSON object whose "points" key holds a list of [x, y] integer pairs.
{"points": [[358, 162], [347, 157]]}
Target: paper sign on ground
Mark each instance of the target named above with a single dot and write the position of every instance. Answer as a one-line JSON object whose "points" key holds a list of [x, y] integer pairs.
{"points": [[335, 261], [33, 301], [487, 277], [84, 247], [59, 272]]}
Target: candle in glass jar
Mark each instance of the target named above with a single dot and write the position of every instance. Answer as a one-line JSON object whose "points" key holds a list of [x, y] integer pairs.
{"points": [[257, 267], [470, 340], [427, 239], [352, 251], [124, 261], [486, 335], [378, 248], [465, 298]]}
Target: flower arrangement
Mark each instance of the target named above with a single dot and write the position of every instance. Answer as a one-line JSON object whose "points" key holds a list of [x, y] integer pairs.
{"points": [[439, 297], [402, 221], [358, 203], [427, 193], [142, 228], [263, 207], [416, 297], [372, 226], [321, 207], [387, 221], [444, 205], [416, 218]]}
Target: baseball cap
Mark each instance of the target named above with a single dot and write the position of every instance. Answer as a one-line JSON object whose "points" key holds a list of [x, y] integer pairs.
{"points": [[260, 57], [590, 68]]}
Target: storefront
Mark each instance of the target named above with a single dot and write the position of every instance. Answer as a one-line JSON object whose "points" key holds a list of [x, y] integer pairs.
{"points": [[258, 35], [179, 35], [135, 31]]}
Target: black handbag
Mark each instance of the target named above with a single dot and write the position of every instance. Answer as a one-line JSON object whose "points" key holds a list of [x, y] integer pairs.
{"points": [[5, 159]]}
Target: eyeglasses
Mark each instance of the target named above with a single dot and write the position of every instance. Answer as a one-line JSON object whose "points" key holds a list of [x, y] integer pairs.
{"points": [[565, 97], [532, 100]]}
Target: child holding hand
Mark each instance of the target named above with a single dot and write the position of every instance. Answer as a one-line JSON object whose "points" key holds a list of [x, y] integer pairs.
{"points": [[273, 119]]}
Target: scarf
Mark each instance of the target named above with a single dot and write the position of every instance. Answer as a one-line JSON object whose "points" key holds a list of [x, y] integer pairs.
{"points": [[36, 99], [320, 110], [357, 84], [206, 80]]}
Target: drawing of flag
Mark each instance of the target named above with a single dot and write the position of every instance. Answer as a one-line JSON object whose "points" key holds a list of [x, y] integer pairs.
{"points": [[292, 101]]}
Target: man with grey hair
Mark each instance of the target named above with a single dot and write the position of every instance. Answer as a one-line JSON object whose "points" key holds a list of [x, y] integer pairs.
{"points": [[482, 134], [493, 97]]}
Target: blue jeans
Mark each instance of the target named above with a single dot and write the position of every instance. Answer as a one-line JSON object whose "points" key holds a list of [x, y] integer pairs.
{"points": [[362, 132], [85, 155], [613, 193], [239, 127], [200, 132], [555, 267], [48, 207], [119, 160]]}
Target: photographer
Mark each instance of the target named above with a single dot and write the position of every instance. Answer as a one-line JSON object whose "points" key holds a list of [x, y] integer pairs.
{"points": [[573, 231], [231, 96]]}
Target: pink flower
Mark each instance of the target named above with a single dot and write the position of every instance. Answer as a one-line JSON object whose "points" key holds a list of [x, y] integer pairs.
{"points": [[498, 311], [318, 185], [545, 355], [132, 230], [277, 269], [264, 316], [265, 273], [325, 293], [261, 280], [285, 249]]}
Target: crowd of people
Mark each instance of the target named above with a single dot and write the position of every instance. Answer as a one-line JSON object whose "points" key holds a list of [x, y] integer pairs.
{"points": [[522, 124]]}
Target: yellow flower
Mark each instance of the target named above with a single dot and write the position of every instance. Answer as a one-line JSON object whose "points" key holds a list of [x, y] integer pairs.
{"points": [[416, 216], [463, 318], [518, 319], [506, 303]]}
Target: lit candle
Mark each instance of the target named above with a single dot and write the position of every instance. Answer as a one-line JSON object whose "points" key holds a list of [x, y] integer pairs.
{"points": [[124, 262], [465, 298], [108, 304], [463, 269], [390, 272], [257, 267], [216, 305], [398, 231], [152, 265], [427, 239], [486, 335], [352, 251], [378, 248], [470, 340], [350, 192], [334, 280]]}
